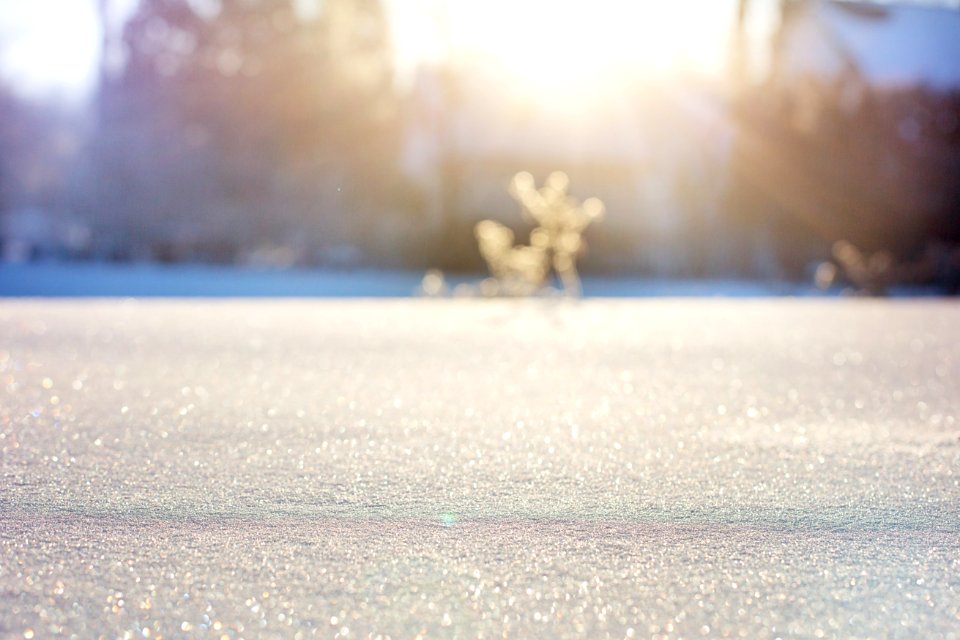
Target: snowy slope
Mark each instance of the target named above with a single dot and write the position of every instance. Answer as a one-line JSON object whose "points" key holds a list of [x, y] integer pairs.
{"points": [[762, 469]]}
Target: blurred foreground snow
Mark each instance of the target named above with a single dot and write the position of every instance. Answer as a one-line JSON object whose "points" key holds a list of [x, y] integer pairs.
{"points": [[699, 468]]}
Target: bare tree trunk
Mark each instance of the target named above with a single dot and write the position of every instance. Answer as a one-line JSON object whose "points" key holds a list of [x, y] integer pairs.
{"points": [[98, 216], [103, 13], [450, 161], [739, 48]]}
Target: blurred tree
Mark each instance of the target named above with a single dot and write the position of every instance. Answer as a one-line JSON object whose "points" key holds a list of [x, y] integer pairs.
{"points": [[8, 130], [247, 125], [38, 143], [14, 123]]}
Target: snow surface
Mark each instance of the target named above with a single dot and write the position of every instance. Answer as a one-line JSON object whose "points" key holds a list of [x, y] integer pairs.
{"points": [[469, 468], [60, 279]]}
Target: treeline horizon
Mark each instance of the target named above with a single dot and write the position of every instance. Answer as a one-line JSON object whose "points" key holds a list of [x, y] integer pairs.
{"points": [[258, 134]]}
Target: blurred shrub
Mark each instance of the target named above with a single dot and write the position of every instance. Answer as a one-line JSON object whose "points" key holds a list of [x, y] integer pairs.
{"points": [[554, 244]]}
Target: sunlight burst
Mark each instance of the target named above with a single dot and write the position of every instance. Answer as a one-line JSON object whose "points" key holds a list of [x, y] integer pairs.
{"points": [[566, 50]]}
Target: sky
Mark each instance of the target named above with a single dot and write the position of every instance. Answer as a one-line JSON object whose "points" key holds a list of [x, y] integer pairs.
{"points": [[43, 54], [535, 38], [542, 40], [53, 46]]}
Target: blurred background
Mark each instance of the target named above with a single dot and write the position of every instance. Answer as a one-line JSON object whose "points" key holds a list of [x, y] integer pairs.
{"points": [[728, 139]]}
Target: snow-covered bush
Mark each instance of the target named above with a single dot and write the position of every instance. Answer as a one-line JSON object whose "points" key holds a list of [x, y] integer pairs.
{"points": [[554, 244]]}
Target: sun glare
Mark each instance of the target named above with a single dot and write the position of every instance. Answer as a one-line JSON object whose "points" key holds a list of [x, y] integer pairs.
{"points": [[564, 51], [43, 53], [571, 50]]}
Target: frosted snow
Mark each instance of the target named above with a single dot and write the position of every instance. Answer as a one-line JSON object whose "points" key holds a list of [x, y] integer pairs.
{"points": [[762, 469]]}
